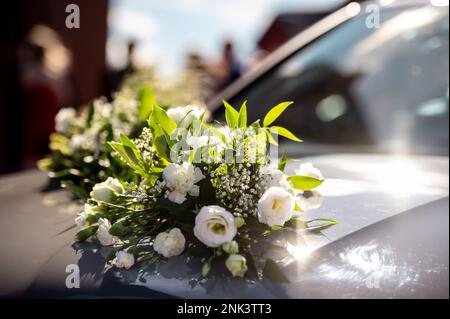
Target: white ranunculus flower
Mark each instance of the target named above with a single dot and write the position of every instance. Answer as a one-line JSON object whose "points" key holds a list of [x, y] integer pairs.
{"points": [[123, 260], [237, 265], [170, 243], [276, 206], [80, 220], [308, 169], [181, 180], [214, 226], [65, 119], [104, 191], [185, 113], [274, 177], [310, 200], [103, 235]]}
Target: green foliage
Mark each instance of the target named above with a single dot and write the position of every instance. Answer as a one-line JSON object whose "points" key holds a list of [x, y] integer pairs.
{"points": [[231, 115], [243, 115], [304, 183], [275, 112], [160, 118], [84, 234], [60, 143], [147, 100], [284, 132]]}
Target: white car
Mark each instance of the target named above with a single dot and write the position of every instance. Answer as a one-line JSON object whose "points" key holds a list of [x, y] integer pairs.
{"points": [[373, 106]]}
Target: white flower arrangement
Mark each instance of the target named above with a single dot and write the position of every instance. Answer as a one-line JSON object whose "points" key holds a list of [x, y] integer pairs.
{"points": [[80, 155], [187, 196]]}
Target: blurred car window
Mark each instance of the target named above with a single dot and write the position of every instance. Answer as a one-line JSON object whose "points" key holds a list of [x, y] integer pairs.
{"points": [[386, 86]]}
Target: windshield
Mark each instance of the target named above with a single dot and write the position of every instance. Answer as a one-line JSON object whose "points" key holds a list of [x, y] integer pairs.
{"points": [[385, 86]]}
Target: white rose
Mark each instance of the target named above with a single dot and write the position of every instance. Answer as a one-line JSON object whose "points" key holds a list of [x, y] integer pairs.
{"points": [[185, 113], [65, 119], [80, 220], [123, 260], [308, 169], [214, 226], [276, 206], [103, 235], [237, 265], [104, 191], [181, 179], [114, 184], [274, 177], [310, 200], [169, 243]]}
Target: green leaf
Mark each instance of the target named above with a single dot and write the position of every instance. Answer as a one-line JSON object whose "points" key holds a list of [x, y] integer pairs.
{"points": [[218, 133], [84, 234], [273, 272], [275, 112], [328, 220], [111, 255], [147, 100], [160, 143], [90, 116], [243, 115], [131, 150], [284, 132], [45, 164], [297, 208], [231, 115], [304, 183], [271, 139], [60, 143], [319, 228], [118, 229], [282, 162], [133, 250], [129, 155], [160, 118]]}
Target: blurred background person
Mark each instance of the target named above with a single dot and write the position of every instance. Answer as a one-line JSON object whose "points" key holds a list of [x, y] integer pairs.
{"points": [[44, 65], [47, 84], [227, 69]]}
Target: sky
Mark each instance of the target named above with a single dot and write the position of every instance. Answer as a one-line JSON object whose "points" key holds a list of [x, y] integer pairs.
{"points": [[166, 30]]}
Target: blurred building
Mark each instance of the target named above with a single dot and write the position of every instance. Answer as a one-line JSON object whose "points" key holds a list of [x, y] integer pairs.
{"points": [[287, 25], [284, 27]]}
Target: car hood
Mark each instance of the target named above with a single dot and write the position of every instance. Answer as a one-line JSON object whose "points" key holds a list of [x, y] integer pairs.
{"points": [[391, 242], [361, 190]]}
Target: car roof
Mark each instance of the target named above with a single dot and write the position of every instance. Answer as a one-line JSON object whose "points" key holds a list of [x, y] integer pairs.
{"points": [[295, 44]]}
